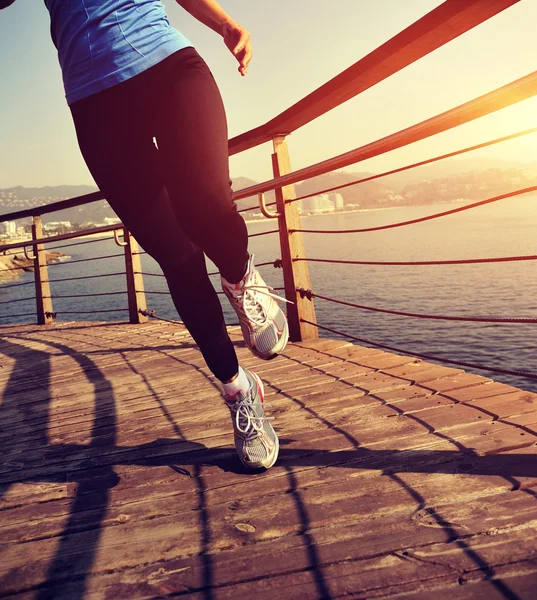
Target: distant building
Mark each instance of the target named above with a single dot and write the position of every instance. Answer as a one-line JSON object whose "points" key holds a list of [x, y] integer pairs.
{"points": [[56, 225], [9, 228], [337, 199], [317, 204], [111, 220]]}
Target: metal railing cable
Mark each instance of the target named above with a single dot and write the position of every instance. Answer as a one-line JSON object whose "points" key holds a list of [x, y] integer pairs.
{"points": [[17, 300], [52, 239], [26, 268], [275, 263], [89, 312], [12, 285], [165, 293], [398, 263], [79, 260], [30, 314], [252, 235], [426, 218], [59, 296], [151, 314], [416, 164], [85, 277], [478, 319], [465, 364], [103, 239], [403, 169], [493, 101]]}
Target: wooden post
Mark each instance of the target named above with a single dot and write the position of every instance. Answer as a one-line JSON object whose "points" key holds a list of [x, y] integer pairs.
{"points": [[295, 274], [135, 280], [43, 301]]}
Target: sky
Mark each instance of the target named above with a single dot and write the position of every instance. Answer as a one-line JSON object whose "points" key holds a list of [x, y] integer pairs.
{"points": [[297, 46]]}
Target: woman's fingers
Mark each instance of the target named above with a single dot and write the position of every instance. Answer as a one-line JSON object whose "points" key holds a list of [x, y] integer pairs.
{"points": [[237, 39], [245, 60]]}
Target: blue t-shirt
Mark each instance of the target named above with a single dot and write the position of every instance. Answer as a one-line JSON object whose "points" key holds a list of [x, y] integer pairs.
{"points": [[104, 42]]}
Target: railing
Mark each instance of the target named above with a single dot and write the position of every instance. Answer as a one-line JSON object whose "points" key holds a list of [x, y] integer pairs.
{"points": [[445, 23], [43, 298]]}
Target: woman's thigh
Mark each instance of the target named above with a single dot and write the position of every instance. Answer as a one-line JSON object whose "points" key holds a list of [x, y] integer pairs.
{"points": [[114, 136], [191, 132]]}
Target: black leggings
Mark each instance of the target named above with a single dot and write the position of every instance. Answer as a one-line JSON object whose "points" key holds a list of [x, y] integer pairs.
{"points": [[175, 196]]}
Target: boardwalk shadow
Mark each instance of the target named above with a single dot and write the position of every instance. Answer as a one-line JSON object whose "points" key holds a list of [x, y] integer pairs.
{"points": [[75, 554], [30, 457]]}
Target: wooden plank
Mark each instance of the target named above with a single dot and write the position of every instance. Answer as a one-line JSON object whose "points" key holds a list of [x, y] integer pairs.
{"points": [[276, 560], [357, 503], [513, 583]]}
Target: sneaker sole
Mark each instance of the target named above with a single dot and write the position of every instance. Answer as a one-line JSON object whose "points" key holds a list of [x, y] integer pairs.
{"points": [[279, 347]]}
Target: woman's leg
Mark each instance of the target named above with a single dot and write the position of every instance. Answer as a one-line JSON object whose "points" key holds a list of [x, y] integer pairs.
{"points": [[114, 135], [191, 133]]}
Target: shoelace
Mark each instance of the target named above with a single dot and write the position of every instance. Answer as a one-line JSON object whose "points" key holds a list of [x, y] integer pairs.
{"points": [[246, 421], [252, 308]]}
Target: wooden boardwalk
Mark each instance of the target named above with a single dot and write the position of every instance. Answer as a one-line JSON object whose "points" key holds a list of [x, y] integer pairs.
{"points": [[396, 478]]}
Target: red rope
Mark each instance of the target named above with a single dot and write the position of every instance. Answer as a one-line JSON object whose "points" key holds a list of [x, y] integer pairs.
{"points": [[427, 356], [422, 219], [421, 315], [464, 261]]}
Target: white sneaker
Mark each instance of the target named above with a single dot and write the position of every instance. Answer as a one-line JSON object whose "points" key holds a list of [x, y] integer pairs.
{"points": [[263, 323], [256, 441]]}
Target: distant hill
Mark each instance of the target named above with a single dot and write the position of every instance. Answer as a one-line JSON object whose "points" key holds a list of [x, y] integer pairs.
{"points": [[57, 191], [454, 166], [442, 182]]}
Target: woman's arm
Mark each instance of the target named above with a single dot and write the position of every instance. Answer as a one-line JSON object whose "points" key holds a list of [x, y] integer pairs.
{"points": [[236, 38]]}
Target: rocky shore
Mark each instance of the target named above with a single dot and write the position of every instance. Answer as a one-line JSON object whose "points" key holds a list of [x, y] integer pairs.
{"points": [[12, 264]]}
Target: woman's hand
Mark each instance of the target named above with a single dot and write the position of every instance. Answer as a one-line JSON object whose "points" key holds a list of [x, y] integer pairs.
{"points": [[237, 39]]}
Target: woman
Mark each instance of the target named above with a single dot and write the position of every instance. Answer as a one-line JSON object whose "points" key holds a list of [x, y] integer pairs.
{"points": [[152, 129]]}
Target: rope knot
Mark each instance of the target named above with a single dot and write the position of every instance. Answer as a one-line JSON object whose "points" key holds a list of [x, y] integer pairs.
{"points": [[148, 313], [278, 263]]}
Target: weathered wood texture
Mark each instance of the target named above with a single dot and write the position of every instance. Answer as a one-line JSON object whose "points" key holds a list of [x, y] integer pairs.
{"points": [[292, 246], [118, 477]]}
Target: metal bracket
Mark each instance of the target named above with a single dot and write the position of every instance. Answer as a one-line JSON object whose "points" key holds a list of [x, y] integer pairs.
{"points": [[266, 212], [33, 257], [117, 240]]}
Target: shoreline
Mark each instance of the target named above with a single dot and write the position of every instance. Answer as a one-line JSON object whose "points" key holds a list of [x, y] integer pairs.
{"points": [[364, 210], [13, 264]]}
